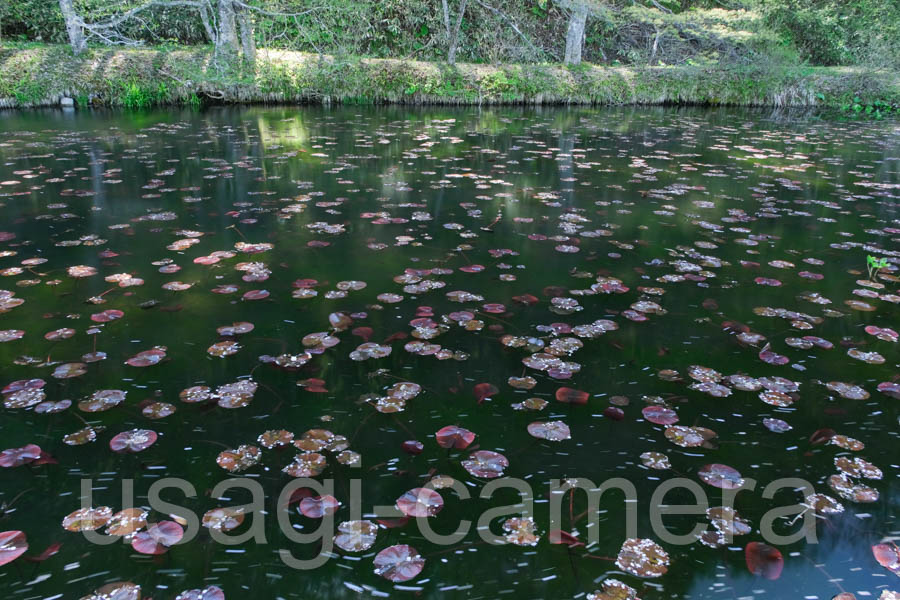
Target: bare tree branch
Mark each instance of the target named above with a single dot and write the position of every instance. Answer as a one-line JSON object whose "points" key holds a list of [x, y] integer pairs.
{"points": [[512, 25], [114, 22], [660, 7], [454, 37], [276, 14]]}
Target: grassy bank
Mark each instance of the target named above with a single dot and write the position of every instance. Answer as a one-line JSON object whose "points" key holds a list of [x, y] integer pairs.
{"points": [[42, 75]]}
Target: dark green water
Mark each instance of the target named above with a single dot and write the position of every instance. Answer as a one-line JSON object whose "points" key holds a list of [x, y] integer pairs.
{"points": [[643, 196]]}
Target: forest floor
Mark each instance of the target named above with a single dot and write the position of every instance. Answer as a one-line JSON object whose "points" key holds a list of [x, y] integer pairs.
{"points": [[45, 75]]}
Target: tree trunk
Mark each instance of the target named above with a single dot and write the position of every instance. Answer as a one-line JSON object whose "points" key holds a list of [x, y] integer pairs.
{"points": [[73, 26], [207, 24], [446, 17], [454, 36], [248, 44], [575, 34], [655, 47], [227, 40]]}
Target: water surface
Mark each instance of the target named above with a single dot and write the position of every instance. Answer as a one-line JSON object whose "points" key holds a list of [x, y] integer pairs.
{"points": [[695, 237]]}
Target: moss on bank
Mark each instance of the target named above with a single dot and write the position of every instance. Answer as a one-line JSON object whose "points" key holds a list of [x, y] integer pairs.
{"points": [[42, 75]]}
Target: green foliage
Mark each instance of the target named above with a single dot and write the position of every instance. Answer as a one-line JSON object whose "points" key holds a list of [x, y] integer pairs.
{"points": [[874, 265], [37, 74], [38, 20], [876, 109], [134, 95], [683, 32], [699, 36], [42, 20], [839, 32]]}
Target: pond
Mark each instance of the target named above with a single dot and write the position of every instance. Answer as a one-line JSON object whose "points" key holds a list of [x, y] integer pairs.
{"points": [[669, 303]]}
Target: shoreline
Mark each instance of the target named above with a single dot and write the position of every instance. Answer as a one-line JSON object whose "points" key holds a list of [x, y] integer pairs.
{"points": [[42, 75]]}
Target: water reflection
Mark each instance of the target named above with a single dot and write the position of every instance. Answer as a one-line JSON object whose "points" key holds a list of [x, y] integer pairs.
{"points": [[687, 208]]}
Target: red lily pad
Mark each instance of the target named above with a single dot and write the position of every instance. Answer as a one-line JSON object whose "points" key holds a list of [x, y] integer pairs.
{"points": [[255, 295], [660, 415], [69, 370], [413, 447], [721, 476], [107, 315], [777, 425], [890, 388], [553, 431], [773, 358], [158, 538], [571, 396], [882, 333], [763, 560], [399, 563], [16, 457], [420, 502], [135, 440], [208, 593], [146, 358], [614, 413], [767, 281], [319, 506], [485, 464], [356, 536], [13, 544], [452, 436], [887, 555]]}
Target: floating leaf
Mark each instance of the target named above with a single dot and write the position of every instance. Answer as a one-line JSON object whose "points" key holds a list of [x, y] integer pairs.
{"points": [[399, 563], [135, 440], [16, 457], [485, 464], [223, 519], [107, 315], [887, 555], [660, 415], [656, 460], [310, 464], [12, 545], [571, 396], [239, 459], [613, 589], [319, 506], [211, 592], [520, 531], [356, 536], [120, 590], [420, 502], [147, 358], [643, 558], [857, 467], [158, 538], [763, 560], [767, 355], [87, 519], [689, 437], [554, 431], [823, 504], [125, 522], [452, 436]]}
